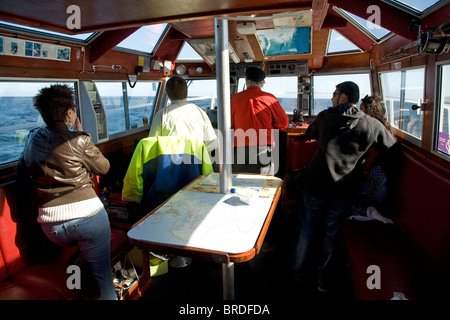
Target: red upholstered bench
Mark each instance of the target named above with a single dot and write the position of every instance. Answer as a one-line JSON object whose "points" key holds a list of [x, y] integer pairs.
{"points": [[385, 246], [413, 254], [299, 152], [32, 267]]}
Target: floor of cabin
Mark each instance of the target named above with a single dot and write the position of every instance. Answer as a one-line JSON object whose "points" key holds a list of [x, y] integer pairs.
{"points": [[265, 278]]}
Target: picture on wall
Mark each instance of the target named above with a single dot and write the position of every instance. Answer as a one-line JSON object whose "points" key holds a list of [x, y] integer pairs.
{"points": [[32, 49]]}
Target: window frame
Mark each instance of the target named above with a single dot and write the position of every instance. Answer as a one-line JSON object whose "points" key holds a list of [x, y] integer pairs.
{"points": [[37, 80], [313, 89], [165, 101], [414, 11], [399, 132], [241, 86], [125, 96], [76, 84], [126, 48], [331, 41], [194, 100], [437, 111]]}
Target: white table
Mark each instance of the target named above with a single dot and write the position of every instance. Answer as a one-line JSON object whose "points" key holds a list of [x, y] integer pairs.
{"points": [[198, 221]]}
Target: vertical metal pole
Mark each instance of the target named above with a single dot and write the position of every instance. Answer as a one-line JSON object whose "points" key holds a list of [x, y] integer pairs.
{"points": [[228, 280], [223, 102]]}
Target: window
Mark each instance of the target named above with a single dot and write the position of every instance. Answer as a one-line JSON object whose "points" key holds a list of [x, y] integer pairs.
{"points": [[443, 112], [203, 93], [144, 39], [82, 37], [19, 115], [188, 53], [340, 44], [324, 85], [127, 108], [415, 6], [374, 31], [284, 88], [403, 94], [141, 103], [112, 98]]}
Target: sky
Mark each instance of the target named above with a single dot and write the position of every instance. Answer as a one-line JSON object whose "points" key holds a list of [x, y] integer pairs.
{"points": [[144, 39]]}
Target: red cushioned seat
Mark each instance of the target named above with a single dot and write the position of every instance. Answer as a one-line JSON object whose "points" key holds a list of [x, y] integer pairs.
{"points": [[31, 266], [401, 270], [119, 243], [421, 210], [13, 291], [48, 274]]}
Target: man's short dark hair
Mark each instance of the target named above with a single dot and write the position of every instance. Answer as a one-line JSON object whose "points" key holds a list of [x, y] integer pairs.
{"points": [[53, 102], [176, 88], [351, 90]]}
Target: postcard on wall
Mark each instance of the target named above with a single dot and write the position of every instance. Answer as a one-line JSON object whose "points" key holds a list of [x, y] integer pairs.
{"points": [[48, 51], [14, 47], [33, 49], [63, 53]]}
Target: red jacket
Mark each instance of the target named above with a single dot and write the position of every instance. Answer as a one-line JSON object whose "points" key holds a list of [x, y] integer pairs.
{"points": [[258, 110]]}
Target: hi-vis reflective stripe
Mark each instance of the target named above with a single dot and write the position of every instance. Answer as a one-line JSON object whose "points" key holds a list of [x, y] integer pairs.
{"points": [[180, 149], [173, 145]]}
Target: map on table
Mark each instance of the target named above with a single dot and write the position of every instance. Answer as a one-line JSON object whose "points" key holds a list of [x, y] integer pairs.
{"points": [[212, 221], [237, 180]]}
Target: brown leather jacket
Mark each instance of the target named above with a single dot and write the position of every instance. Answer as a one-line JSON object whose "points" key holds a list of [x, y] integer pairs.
{"points": [[60, 163]]}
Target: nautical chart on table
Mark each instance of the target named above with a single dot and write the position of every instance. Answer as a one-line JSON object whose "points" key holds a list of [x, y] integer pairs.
{"points": [[212, 221], [238, 180]]}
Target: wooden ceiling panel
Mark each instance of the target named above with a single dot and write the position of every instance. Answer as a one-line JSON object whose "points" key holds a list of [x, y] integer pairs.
{"points": [[249, 43], [102, 15], [320, 8], [195, 19]]}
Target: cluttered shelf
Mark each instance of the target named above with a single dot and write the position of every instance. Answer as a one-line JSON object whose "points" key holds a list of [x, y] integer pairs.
{"points": [[296, 128]]}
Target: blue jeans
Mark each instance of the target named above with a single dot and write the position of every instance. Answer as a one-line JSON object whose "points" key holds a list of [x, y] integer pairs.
{"points": [[92, 235], [317, 214]]}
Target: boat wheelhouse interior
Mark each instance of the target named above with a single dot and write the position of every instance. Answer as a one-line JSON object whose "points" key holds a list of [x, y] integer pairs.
{"points": [[118, 55]]}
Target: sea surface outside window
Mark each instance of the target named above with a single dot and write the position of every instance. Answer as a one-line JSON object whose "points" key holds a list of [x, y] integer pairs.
{"points": [[19, 115]]}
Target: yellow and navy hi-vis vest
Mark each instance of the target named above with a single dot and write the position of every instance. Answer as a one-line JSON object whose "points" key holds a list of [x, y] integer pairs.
{"points": [[161, 166]]}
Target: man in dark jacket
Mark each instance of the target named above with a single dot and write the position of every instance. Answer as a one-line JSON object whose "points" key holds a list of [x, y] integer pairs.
{"points": [[344, 134]]}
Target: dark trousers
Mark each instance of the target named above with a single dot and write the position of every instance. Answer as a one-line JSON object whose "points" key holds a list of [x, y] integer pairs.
{"points": [[317, 214]]}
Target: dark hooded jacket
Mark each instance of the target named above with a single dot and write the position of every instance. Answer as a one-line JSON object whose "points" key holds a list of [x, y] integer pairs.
{"points": [[344, 135]]}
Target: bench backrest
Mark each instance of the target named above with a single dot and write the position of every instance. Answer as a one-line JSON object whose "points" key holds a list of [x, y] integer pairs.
{"points": [[3, 272], [299, 152], [21, 239], [422, 210]]}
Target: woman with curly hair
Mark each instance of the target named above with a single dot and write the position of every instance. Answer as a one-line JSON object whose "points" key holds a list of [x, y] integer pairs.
{"points": [[374, 186], [60, 158], [374, 106]]}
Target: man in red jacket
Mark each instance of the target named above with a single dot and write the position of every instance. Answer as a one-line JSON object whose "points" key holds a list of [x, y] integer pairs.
{"points": [[256, 117]]}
